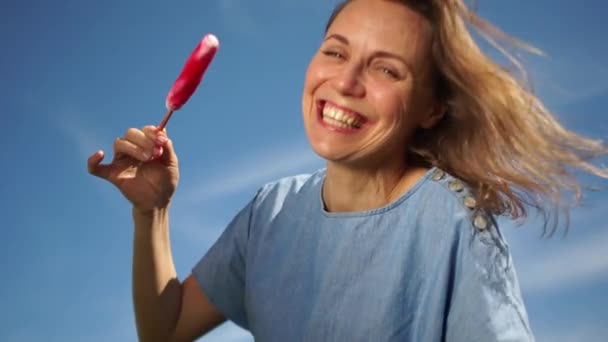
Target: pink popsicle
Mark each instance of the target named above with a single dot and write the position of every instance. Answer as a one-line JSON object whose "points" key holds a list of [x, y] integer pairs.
{"points": [[191, 76]]}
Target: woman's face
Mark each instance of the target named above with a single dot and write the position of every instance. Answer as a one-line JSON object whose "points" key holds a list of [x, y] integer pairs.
{"points": [[367, 88]]}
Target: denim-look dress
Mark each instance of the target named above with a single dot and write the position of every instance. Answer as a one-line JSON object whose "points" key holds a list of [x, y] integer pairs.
{"points": [[427, 267]]}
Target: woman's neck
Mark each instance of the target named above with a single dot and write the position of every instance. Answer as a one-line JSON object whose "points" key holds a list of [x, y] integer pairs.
{"points": [[349, 189]]}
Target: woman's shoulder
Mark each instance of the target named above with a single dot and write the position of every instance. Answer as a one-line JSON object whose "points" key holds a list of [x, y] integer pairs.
{"points": [[449, 219], [451, 204], [445, 195]]}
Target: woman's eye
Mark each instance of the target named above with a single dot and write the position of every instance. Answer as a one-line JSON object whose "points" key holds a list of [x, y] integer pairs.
{"points": [[332, 53], [389, 72]]}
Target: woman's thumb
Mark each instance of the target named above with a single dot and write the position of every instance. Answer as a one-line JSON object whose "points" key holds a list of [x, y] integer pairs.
{"points": [[95, 167]]}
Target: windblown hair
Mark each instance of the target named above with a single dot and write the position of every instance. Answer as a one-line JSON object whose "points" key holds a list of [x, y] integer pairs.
{"points": [[496, 135]]}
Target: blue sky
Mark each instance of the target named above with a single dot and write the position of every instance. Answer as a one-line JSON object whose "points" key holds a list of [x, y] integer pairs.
{"points": [[78, 73]]}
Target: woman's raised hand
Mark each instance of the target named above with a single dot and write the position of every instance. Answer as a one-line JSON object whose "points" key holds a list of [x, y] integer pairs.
{"points": [[144, 167]]}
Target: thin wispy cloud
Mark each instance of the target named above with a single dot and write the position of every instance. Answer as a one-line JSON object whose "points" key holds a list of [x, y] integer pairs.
{"points": [[567, 80], [572, 265], [82, 135], [561, 78], [586, 331], [199, 231], [240, 17], [84, 141], [255, 170], [246, 17], [228, 332]]}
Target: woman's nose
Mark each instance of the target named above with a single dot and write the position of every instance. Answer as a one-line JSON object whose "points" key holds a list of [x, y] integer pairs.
{"points": [[348, 81]]}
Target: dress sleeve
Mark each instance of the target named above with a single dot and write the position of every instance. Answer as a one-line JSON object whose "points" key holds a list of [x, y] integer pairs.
{"points": [[486, 301], [221, 271]]}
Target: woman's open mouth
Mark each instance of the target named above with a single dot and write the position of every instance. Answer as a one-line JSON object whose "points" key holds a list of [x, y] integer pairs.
{"points": [[340, 118]]}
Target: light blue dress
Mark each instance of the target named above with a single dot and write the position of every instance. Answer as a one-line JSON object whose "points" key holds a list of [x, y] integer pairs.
{"points": [[427, 267]]}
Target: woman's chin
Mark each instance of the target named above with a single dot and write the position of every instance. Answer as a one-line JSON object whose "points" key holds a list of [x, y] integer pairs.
{"points": [[335, 156]]}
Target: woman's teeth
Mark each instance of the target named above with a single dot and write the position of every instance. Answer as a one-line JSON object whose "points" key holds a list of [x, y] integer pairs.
{"points": [[337, 117]]}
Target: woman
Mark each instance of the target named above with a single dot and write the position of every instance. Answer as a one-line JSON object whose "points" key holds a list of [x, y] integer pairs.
{"points": [[426, 141]]}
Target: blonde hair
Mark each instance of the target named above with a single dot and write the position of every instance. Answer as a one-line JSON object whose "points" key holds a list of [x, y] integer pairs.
{"points": [[496, 135]]}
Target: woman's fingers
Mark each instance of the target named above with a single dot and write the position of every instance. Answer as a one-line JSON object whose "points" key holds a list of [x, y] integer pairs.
{"points": [[142, 145], [140, 139], [155, 135], [96, 168], [126, 147], [168, 155], [158, 137]]}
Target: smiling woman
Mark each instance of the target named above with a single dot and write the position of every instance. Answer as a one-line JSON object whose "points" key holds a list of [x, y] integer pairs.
{"points": [[426, 141]]}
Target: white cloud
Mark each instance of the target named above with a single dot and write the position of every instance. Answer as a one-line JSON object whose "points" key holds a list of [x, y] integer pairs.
{"points": [[261, 167], [84, 141], [197, 232], [228, 332], [571, 265], [584, 331], [569, 79], [84, 137], [239, 16], [246, 18]]}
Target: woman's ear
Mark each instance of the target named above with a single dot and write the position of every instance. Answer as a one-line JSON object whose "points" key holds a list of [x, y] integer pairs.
{"points": [[437, 112]]}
